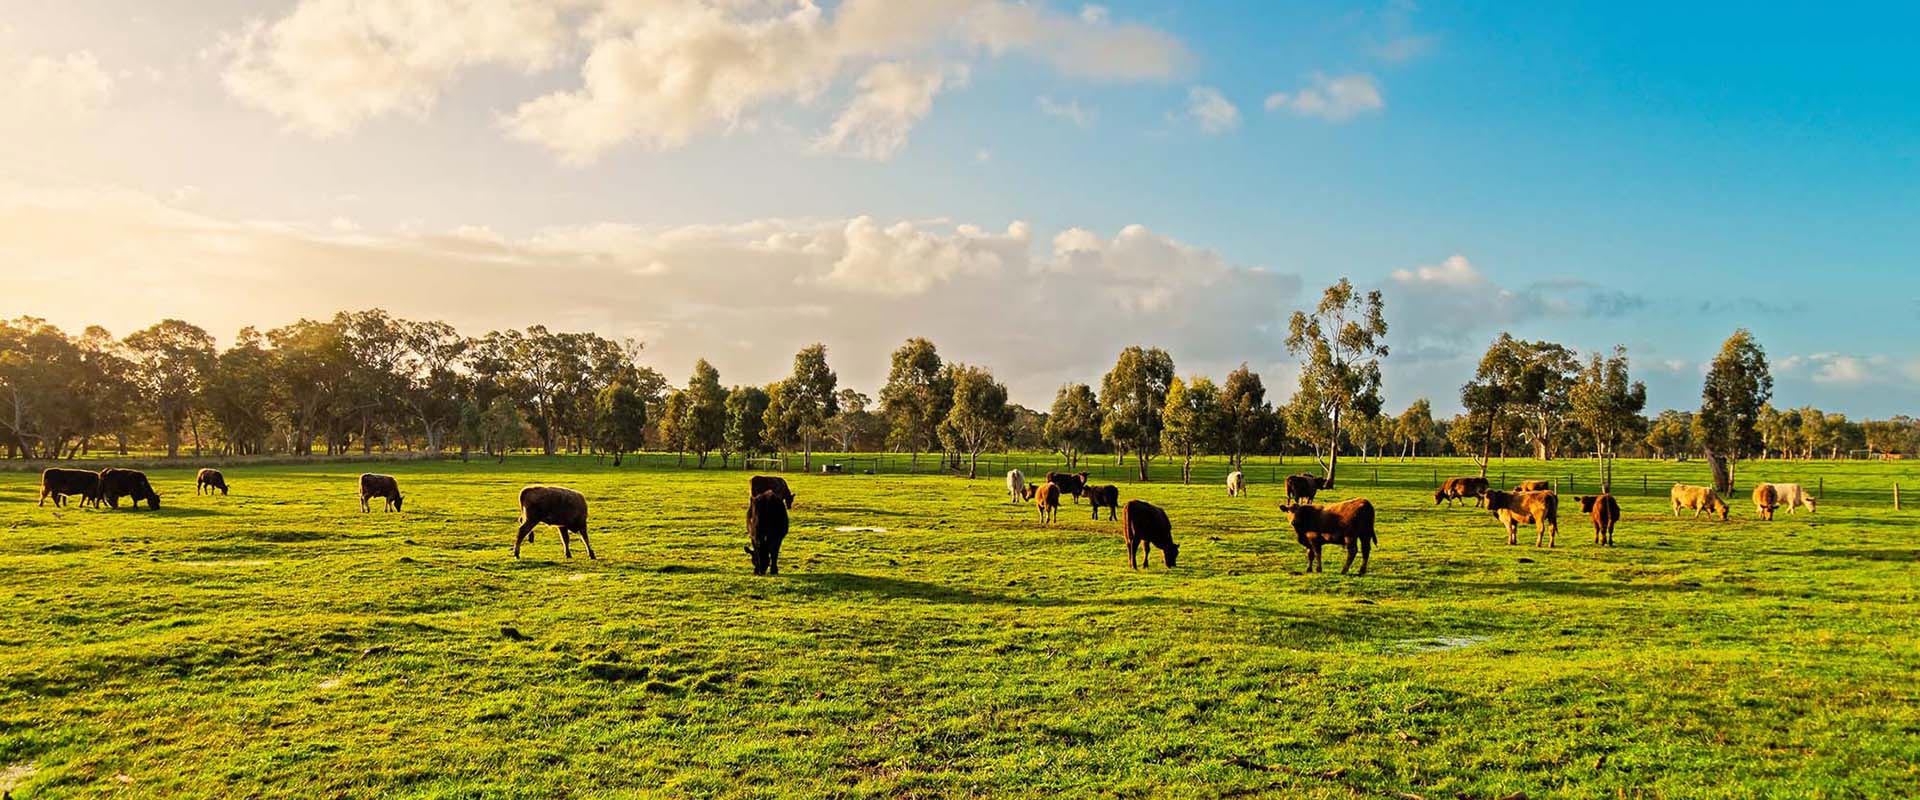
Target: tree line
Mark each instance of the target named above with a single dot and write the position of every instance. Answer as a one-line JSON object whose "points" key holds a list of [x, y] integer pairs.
{"points": [[365, 380]]}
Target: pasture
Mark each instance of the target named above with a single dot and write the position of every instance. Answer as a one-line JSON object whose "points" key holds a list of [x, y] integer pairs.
{"points": [[928, 639]]}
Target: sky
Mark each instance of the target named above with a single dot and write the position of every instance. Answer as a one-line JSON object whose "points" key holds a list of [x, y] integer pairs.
{"points": [[1033, 185]]}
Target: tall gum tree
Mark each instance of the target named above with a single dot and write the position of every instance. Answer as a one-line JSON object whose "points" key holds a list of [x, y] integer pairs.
{"points": [[1339, 346]]}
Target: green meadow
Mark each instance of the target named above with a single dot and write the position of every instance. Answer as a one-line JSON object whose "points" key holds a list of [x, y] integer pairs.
{"points": [[928, 639]]}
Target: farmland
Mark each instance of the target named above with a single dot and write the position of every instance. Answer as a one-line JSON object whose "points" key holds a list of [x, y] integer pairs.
{"points": [[927, 638]]}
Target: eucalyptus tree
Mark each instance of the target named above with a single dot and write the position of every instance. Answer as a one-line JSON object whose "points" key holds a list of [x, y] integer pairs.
{"points": [[1339, 345], [1737, 386]]}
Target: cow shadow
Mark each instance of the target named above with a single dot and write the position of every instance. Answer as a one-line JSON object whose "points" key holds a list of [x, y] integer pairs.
{"points": [[826, 583], [1864, 554]]}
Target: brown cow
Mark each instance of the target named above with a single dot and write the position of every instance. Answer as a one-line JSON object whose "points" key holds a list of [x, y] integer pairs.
{"points": [[58, 482], [1107, 497], [381, 486], [1302, 487], [1146, 527], [1070, 483], [760, 484], [1046, 497], [118, 483], [1460, 489], [1348, 524], [209, 479], [558, 506], [766, 529], [1539, 509], [1604, 511], [1698, 498], [1765, 500], [1534, 486]]}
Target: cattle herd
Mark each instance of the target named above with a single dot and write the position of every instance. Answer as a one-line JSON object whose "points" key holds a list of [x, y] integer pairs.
{"points": [[1348, 524]]}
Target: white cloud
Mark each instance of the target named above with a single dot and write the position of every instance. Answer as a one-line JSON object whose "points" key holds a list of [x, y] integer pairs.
{"points": [[893, 97], [1334, 99], [1070, 111], [1453, 272], [661, 73], [43, 93], [1211, 110], [330, 65], [1040, 310]]}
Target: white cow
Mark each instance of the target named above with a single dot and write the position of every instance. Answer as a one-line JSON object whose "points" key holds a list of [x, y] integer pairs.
{"points": [[1016, 486], [1236, 484], [1792, 495]]}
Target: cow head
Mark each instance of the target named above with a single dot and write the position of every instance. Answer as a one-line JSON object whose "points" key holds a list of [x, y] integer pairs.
{"points": [[1439, 496], [1586, 503], [1497, 500], [396, 501], [1171, 554]]}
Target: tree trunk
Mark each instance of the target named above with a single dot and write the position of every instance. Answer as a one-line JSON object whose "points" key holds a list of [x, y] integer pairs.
{"points": [[1722, 472], [973, 465], [1333, 452]]}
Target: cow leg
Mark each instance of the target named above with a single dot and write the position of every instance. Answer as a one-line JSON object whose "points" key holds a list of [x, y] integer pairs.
{"points": [[1366, 554], [43, 498], [525, 529], [566, 542], [1133, 546], [1513, 533], [589, 545], [1096, 513], [1350, 553]]}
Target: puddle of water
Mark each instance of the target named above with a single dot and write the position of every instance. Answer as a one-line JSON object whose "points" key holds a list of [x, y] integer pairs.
{"points": [[858, 529], [1437, 644]]}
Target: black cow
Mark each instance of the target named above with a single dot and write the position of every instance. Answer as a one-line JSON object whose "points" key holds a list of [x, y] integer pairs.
{"points": [[766, 529]]}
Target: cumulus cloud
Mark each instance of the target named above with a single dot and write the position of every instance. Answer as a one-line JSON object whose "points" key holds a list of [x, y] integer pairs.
{"points": [[1843, 369], [893, 97], [1438, 309], [42, 92], [659, 74], [330, 65], [1039, 309], [1334, 99], [1211, 110]]}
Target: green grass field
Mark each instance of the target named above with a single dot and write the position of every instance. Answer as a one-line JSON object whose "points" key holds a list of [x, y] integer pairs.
{"points": [[929, 640]]}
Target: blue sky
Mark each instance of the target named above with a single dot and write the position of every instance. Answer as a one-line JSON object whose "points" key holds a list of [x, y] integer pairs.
{"points": [[1032, 184]]}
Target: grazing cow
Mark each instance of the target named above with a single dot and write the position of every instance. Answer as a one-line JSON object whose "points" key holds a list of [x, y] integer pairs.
{"points": [[208, 480], [1604, 511], [1791, 496], [1107, 497], [1460, 489], [1016, 486], [382, 486], [118, 483], [1698, 498], [1765, 500], [1301, 488], [1236, 484], [58, 482], [1539, 509], [1146, 526], [558, 506], [1070, 483], [1046, 497], [766, 529], [770, 483], [1533, 486], [1348, 524]]}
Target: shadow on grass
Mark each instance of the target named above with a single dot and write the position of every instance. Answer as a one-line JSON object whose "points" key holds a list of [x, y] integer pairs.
{"points": [[1864, 554], [1594, 589], [825, 583]]}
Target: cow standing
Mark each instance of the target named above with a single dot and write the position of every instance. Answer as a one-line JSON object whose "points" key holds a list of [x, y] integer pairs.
{"points": [[1302, 488], [1146, 527], [766, 529], [209, 479], [58, 482], [1348, 524], [558, 506], [1539, 509], [759, 484], [1107, 497], [1236, 484], [1016, 486], [1605, 512]]}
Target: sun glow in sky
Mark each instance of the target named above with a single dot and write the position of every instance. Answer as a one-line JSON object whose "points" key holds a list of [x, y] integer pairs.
{"points": [[1033, 185]]}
